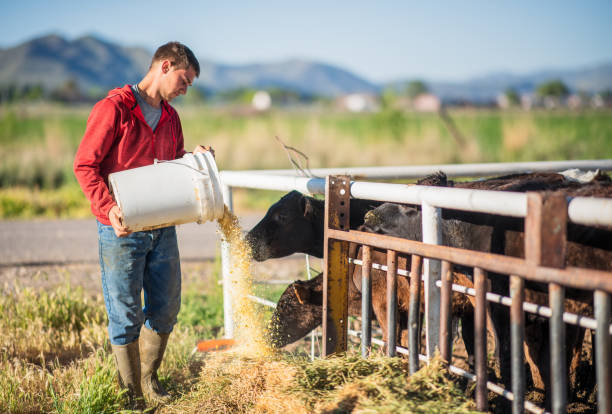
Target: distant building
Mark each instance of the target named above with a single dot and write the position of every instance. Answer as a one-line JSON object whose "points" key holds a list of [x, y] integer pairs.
{"points": [[426, 102], [575, 101], [528, 101], [261, 101], [601, 100], [358, 102], [502, 101]]}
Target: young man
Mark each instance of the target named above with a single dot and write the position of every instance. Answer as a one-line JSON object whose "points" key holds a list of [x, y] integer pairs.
{"points": [[132, 127]]}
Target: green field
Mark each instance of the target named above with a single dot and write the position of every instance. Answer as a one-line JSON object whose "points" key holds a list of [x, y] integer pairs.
{"points": [[37, 144]]}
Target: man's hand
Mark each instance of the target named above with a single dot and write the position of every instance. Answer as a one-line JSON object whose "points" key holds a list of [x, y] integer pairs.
{"points": [[204, 148], [116, 218]]}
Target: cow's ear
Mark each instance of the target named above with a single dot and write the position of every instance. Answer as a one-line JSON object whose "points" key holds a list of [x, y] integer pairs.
{"points": [[301, 292], [407, 211], [308, 207]]}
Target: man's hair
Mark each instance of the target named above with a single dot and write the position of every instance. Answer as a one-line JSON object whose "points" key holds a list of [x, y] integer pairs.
{"points": [[179, 56]]}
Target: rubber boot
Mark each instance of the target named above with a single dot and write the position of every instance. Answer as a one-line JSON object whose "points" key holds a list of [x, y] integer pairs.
{"points": [[127, 358], [152, 348]]}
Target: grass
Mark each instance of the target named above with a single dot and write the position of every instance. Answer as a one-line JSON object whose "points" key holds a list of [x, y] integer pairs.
{"points": [[55, 357], [27, 203], [37, 145]]}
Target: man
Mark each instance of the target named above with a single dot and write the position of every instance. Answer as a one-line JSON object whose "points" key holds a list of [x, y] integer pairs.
{"points": [[132, 127]]}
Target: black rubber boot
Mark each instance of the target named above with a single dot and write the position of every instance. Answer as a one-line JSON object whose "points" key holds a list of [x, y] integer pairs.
{"points": [[152, 348], [127, 358]]}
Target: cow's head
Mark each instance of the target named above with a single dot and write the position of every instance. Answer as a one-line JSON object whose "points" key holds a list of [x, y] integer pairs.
{"points": [[394, 220], [298, 311], [293, 224]]}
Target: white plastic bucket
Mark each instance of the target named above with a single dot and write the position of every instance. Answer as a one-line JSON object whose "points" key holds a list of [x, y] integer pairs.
{"points": [[169, 192]]}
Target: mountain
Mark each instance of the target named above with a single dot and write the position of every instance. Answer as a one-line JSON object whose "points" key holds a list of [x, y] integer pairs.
{"points": [[52, 60], [98, 65], [302, 76]]}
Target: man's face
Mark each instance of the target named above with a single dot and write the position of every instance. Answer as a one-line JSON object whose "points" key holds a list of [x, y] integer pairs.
{"points": [[175, 82]]}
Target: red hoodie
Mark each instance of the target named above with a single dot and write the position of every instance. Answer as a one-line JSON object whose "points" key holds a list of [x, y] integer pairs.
{"points": [[117, 138]]}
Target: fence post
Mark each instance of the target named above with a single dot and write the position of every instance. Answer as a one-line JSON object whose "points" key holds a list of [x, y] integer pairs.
{"points": [[228, 313], [335, 272], [546, 245], [432, 234]]}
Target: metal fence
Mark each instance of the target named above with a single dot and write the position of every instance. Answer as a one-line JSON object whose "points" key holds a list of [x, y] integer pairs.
{"points": [[437, 260]]}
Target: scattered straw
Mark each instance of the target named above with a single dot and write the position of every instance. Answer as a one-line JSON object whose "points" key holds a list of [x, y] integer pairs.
{"points": [[231, 382]]}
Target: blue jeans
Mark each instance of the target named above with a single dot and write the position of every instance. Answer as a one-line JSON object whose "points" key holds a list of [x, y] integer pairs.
{"points": [[145, 260]]}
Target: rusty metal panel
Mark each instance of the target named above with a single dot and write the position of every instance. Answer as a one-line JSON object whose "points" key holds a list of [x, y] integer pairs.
{"points": [[545, 229], [335, 272], [391, 301], [445, 311], [366, 301], [480, 329], [414, 333], [546, 245], [517, 337]]}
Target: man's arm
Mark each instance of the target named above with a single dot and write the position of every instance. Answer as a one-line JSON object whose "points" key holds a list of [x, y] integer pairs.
{"points": [[100, 134]]}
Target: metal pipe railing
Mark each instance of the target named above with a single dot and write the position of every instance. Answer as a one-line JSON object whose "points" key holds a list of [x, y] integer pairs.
{"points": [[451, 170], [506, 203], [580, 210]]}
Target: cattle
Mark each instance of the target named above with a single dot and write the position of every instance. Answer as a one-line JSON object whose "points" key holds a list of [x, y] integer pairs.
{"points": [[399, 221], [294, 224], [587, 247], [299, 309], [278, 235]]}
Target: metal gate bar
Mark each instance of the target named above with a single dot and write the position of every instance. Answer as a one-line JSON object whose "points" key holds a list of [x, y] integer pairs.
{"points": [[517, 337], [480, 342], [366, 300], [445, 312], [391, 301], [413, 313], [603, 351]]}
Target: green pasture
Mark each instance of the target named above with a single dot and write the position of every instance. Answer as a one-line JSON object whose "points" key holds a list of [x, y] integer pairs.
{"points": [[38, 143]]}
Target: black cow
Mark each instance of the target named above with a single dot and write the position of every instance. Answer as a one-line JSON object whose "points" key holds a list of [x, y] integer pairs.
{"points": [[294, 224]]}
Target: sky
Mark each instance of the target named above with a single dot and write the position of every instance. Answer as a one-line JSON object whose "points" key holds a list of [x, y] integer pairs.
{"points": [[378, 40]]}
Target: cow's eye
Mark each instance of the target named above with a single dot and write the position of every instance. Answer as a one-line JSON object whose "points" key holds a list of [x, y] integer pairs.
{"points": [[281, 217]]}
